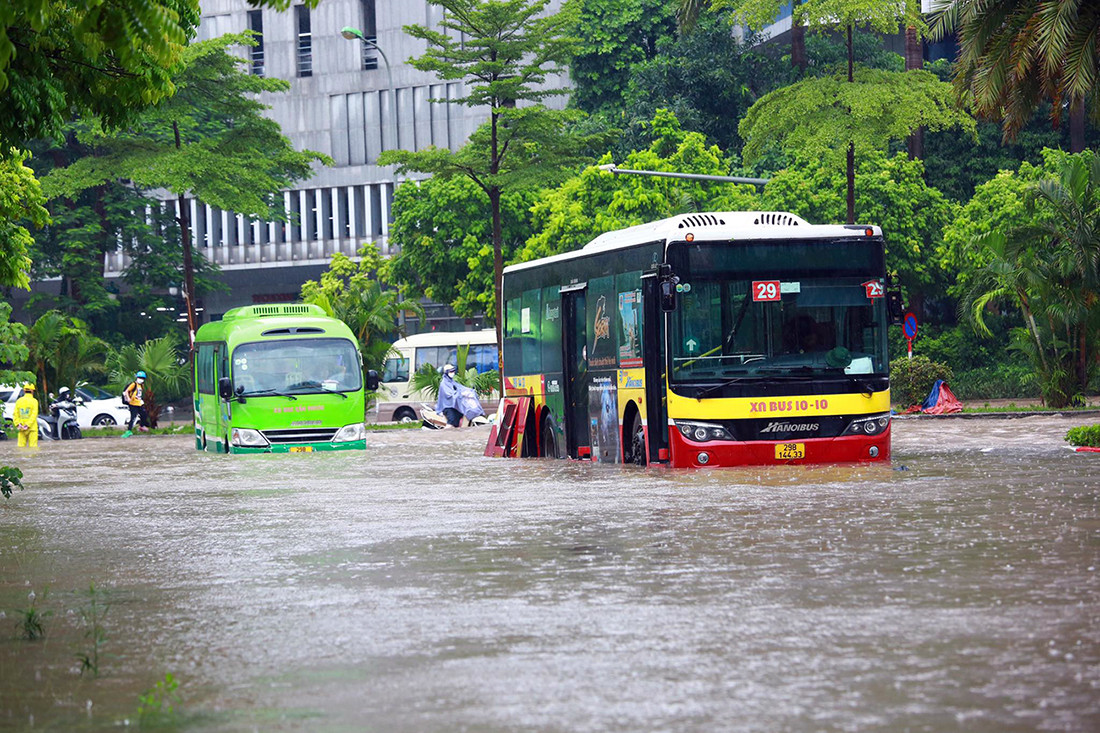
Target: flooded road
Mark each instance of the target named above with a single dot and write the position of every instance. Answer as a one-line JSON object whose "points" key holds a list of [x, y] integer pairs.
{"points": [[420, 587]]}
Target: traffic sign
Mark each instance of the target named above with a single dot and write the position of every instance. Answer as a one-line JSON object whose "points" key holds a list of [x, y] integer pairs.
{"points": [[909, 326]]}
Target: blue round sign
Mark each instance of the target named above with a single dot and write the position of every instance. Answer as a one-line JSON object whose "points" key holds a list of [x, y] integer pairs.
{"points": [[909, 326]]}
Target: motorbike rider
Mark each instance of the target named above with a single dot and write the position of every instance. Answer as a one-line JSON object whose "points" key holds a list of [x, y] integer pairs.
{"points": [[133, 395], [26, 417]]}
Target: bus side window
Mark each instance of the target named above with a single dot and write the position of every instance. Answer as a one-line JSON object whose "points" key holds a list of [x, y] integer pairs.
{"points": [[205, 362], [483, 358]]}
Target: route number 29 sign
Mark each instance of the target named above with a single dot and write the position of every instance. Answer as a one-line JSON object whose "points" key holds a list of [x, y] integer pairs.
{"points": [[765, 290]]}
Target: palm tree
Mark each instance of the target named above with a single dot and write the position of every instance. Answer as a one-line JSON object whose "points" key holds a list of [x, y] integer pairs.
{"points": [[1050, 269], [61, 352], [1016, 54], [165, 375]]}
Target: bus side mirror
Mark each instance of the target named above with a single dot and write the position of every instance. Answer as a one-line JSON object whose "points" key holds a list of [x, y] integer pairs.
{"points": [[372, 380], [225, 388], [669, 288]]}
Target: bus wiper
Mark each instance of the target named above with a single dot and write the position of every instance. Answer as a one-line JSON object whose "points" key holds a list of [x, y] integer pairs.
{"points": [[704, 391], [332, 391], [268, 391], [863, 384]]}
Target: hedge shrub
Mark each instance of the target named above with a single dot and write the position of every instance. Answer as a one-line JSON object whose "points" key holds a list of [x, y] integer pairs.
{"points": [[911, 379], [1087, 435]]}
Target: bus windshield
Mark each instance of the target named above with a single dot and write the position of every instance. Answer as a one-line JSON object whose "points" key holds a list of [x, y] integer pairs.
{"points": [[296, 366], [786, 309]]}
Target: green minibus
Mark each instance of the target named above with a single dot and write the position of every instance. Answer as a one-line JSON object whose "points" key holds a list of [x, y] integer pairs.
{"points": [[279, 379]]}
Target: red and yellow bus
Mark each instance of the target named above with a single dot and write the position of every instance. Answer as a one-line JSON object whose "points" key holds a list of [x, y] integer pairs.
{"points": [[714, 339]]}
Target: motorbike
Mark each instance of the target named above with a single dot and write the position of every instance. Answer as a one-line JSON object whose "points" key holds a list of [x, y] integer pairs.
{"points": [[61, 423]]}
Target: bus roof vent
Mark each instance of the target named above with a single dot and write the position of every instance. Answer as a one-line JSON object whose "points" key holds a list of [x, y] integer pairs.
{"points": [[777, 219], [275, 309], [700, 220], [291, 331]]}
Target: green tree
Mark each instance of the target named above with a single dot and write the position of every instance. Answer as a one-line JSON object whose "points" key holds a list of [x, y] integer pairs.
{"points": [[593, 202], [1050, 269], [614, 36], [353, 292], [61, 352], [503, 50], [21, 202], [1016, 54], [167, 376], [210, 139], [890, 192], [443, 227], [832, 115]]}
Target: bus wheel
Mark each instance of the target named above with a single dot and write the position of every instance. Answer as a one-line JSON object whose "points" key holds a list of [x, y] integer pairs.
{"points": [[548, 439], [529, 447], [637, 441], [404, 414]]}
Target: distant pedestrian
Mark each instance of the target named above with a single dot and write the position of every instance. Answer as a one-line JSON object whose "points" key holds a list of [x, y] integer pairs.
{"points": [[134, 397], [26, 418]]}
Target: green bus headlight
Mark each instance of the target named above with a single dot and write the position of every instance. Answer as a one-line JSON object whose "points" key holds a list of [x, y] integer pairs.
{"points": [[348, 433], [248, 438]]}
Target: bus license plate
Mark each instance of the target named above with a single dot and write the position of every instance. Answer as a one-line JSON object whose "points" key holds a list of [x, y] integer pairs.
{"points": [[790, 451], [309, 449]]}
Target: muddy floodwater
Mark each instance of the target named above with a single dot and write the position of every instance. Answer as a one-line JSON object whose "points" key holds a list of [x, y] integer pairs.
{"points": [[418, 586]]}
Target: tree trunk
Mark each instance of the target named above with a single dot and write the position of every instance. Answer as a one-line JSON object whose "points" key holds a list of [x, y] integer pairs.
{"points": [[498, 253], [1077, 126], [188, 266], [914, 59], [798, 41]]}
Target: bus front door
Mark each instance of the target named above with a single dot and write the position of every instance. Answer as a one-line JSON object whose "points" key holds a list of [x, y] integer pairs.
{"points": [[575, 372], [653, 319]]}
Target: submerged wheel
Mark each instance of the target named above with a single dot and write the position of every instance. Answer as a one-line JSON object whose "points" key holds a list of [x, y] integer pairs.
{"points": [[104, 421], [548, 439], [530, 446], [404, 414], [636, 450]]}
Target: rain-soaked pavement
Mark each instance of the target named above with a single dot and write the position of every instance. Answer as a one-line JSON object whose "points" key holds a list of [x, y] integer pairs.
{"points": [[420, 587]]}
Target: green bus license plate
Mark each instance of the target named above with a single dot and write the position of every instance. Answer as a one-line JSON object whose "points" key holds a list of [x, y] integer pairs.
{"points": [[301, 449], [790, 451]]}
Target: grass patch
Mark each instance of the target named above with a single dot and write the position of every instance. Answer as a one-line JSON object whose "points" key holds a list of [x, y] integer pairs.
{"points": [[395, 425]]}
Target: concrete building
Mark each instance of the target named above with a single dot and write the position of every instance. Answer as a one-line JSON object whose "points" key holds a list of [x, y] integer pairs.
{"points": [[346, 101]]}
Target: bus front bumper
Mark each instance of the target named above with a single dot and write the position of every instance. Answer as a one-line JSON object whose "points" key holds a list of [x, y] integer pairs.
{"points": [[302, 447], [844, 449]]}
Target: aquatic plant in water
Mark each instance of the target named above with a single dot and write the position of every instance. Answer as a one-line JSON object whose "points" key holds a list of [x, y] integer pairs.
{"points": [[30, 618], [93, 615], [157, 705]]}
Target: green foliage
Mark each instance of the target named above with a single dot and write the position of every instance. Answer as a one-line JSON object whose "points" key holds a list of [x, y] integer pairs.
{"points": [[156, 706], [1049, 268], [995, 382], [1086, 435], [820, 117], [998, 204], [167, 375], [1016, 54], [60, 58], [890, 192], [10, 477], [823, 15], [594, 202], [353, 292], [911, 379], [13, 348], [613, 36], [444, 229], [93, 614], [61, 352], [30, 620], [21, 202]]}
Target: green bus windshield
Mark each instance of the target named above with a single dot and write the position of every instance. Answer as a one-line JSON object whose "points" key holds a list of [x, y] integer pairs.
{"points": [[296, 366], [761, 310]]}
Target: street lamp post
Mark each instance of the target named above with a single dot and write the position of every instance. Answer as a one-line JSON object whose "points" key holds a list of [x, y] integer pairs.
{"points": [[612, 168], [351, 34]]}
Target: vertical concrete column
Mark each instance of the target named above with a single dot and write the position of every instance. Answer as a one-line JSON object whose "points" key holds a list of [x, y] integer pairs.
{"points": [[288, 229], [196, 238], [353, 230], [303, 216], [334, 201], [318, 214], [368, 211]]}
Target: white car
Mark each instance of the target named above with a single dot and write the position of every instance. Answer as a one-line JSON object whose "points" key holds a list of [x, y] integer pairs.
{"points": [[101, 409], [8, 396]]}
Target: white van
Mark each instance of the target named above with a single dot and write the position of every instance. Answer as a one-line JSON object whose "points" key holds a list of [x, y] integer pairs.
{"points": [[397, 402]]}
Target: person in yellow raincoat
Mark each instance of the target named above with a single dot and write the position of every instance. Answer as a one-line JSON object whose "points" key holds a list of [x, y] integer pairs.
{"points": [[26, 417]]}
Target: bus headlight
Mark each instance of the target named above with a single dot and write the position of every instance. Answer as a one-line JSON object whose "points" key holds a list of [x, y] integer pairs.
{"points": [[872, 425], [348, 433], [248, 438], [702, 431]]}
